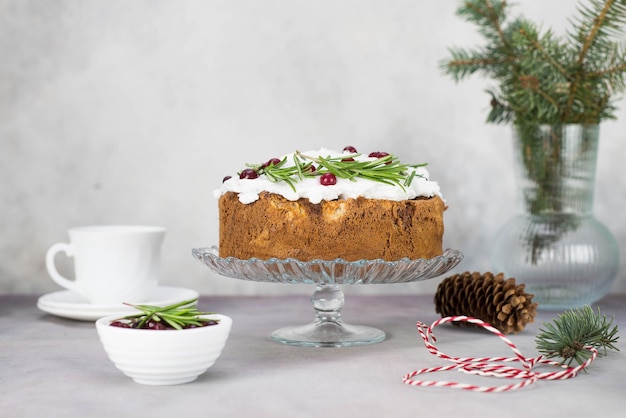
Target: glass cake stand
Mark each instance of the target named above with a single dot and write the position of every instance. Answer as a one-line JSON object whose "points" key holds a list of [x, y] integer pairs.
{"points": [[328, 329]]}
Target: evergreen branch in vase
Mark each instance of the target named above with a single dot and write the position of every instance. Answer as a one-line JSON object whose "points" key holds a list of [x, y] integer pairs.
{"points": [[544, 80]]}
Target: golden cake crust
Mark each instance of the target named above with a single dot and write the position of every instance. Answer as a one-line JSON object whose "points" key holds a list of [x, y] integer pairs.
{"points": [[352, 229]]}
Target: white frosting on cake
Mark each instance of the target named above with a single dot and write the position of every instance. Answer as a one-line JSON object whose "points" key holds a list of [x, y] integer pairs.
{"points": [[310, 187]]}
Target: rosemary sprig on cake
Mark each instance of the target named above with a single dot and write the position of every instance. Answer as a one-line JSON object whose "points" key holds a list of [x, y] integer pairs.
{"points": [[384, 168], [177, 316]]}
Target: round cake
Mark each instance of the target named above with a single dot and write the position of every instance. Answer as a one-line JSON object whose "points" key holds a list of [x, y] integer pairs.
{"points": [[327, 204]]}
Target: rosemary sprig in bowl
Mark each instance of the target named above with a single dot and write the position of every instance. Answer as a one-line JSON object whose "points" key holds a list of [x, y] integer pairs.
{"points": [[177, 316], [154, 357]]}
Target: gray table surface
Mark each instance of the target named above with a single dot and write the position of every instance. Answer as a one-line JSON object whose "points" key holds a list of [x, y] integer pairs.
{"points": [[56, 367]]}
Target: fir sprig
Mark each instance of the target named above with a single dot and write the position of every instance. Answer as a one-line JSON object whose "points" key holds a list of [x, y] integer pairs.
{"points": [[569, 335], [542, 78], [178, 315], [385, 169]]}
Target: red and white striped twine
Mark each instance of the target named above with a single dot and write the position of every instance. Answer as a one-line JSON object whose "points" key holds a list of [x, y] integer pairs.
{"points": [[489, 366]]}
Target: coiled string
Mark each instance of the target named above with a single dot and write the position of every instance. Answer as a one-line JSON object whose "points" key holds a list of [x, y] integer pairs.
{"points": [[489, 366]]}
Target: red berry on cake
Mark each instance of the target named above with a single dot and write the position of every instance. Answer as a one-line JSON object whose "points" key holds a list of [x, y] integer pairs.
{"points": [[349, 148], [378, 154], [248, 173], [328, 179], [272, 161]]}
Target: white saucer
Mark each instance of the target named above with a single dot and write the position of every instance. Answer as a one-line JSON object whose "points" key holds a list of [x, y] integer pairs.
{"points": [[68, 304]]}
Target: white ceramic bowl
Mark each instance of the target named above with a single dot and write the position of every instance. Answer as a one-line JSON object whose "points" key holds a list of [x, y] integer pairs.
{"points": [[163, 357]]}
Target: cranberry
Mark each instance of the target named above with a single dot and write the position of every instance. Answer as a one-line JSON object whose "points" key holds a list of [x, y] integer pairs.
{"points": [[120, 324], [380, 154], [350, 148], [248, 173], [328, 179], [344, 160], [157, 325], [226, 178], [273, 161]]}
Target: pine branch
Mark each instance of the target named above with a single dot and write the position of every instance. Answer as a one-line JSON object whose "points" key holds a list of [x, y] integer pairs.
{"points": [[544, 79], [570, 334], [464, 64], [609, 71], [598, 19], [595, 26], [542, 50], [487, 15]]}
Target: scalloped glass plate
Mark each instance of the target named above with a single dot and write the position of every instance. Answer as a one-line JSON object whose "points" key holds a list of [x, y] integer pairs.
{"points": [[328, 272], [328, 329]]}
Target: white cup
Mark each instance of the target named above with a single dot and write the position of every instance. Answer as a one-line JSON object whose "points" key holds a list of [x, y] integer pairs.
{"points": [[112, 264]]}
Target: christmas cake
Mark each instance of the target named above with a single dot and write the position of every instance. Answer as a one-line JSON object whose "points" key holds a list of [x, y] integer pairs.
{"points": [[327, 204]]}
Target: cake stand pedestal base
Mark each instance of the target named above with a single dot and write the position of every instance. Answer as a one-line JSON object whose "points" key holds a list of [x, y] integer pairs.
{"points": [[328, 330]]}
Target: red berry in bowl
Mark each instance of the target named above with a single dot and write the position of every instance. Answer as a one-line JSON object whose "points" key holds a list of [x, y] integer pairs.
{"points": [[248, 173], [328, 179], [121, 324]]}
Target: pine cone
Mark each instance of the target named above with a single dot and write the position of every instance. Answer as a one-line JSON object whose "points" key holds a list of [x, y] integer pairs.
{"points": [[499, 302]]}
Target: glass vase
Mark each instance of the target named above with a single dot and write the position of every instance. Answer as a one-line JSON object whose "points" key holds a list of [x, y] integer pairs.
{"points": [[555, 245]]}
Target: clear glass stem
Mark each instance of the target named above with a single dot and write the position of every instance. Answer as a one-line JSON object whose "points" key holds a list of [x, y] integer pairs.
{"points": [[328, 329]]}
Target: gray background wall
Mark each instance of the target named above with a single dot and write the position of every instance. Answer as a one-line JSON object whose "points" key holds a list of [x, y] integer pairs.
{"points": [[133, 111]]}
